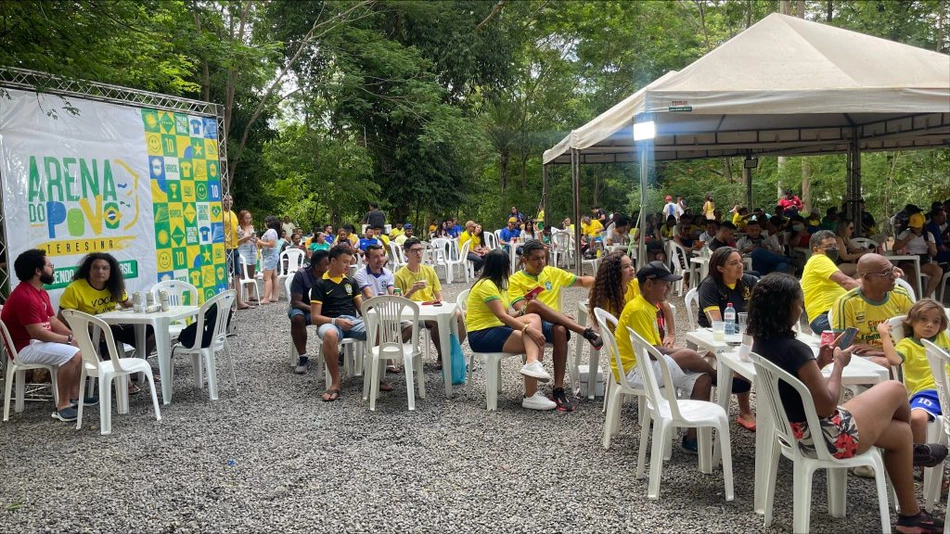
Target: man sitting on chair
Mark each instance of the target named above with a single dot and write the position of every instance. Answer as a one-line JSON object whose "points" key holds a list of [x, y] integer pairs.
{"points": [[537, 289], [299, 310]]}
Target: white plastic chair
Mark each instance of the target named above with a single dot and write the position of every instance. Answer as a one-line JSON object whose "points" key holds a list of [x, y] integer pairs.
{"points": [[117, 366], [491, 240], [667, 412], [768, 377], [289, 262], [440, 254], [492, 362], [907, 287], [677, 253], [246, 280], [384, 316], [219, 343], [396, 255], [179, 294], [938, 359], [692, 297], [16, 371], [617, 390], [462, 262]]}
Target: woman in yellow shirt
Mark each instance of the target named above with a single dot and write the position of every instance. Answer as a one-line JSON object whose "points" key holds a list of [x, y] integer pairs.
{"points": [[492, 329]]}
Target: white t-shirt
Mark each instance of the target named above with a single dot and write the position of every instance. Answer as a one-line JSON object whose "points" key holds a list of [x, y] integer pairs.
{"points": [[916, 245], [379, 284]]}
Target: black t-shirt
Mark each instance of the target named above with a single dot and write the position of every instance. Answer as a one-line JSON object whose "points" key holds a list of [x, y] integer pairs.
{"points": [[716, 243], [337, 297], [375, 218], [790, 354], [302, 283], [720, 295]]}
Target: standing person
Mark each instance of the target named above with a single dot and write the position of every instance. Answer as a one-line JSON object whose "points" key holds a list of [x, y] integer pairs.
{"points": [[288, 227], [878, 417], [518, 216], [231, 243], [822, 282], [536, 288], [726, 283], [709, 208], [269, 258], [493, 329], [247, 248], [672, 208], [374, 217], [299, 310], [37, 334], [923, 245], [791, 205]]}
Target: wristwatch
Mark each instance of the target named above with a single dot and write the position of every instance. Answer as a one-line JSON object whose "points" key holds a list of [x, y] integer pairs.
{"points": [[69, 339]]}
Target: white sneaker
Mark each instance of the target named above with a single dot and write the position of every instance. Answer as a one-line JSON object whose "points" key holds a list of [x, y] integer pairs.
{"points": [[538, 401], [535, 370]]}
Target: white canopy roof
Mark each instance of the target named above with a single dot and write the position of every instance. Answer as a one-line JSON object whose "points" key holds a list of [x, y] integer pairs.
{"points": [[783, 86]]}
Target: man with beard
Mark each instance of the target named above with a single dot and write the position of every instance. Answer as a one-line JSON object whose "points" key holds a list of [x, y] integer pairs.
{"points": [[38, 336]]}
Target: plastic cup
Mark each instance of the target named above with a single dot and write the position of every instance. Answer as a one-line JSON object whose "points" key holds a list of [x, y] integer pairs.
{"points": [[742, 318], [719, 330]]}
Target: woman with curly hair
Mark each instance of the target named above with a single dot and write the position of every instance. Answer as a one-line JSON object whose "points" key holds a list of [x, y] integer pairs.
{"points": [[878, 417], [615, 285]]}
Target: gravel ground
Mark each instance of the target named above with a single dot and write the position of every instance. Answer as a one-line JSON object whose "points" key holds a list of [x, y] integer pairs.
{"points": [[273, 457]]}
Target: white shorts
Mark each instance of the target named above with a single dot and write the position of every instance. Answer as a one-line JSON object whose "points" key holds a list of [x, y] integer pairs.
{"points": [[682, 380], [46, 353]]}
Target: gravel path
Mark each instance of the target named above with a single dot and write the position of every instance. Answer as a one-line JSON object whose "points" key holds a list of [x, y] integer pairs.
{"points": [[273, 457]]}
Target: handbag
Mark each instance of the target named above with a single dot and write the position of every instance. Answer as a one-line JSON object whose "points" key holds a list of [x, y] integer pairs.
{"points": [[459, 367]]}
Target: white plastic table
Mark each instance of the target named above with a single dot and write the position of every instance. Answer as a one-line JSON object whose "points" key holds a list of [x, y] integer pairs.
{"points": [[859, 372], [444, 315], [160, 321]]}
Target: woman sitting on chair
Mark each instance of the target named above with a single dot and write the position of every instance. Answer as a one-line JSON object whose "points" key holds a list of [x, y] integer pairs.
{"points": [[878, 417]]}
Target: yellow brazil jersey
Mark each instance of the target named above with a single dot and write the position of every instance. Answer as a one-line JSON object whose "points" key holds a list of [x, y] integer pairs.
{"points": [[465, 237], [79, 295], [917, 375], [385, 239], [640, 316], [230, 230], [478, 316], [820, 291], [594, 229], [406, 278], [550, 280], [395, 232], [853, 309]]}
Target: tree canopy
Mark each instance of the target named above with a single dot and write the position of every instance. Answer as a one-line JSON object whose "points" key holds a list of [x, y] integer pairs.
{"points": [[443, 108]]}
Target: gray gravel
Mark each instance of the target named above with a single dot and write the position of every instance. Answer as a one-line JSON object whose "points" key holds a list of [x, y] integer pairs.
{"points": [[301, 464]]}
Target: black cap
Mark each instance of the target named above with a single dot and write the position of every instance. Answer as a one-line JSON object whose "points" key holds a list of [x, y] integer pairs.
{"points": [[656, 270]]}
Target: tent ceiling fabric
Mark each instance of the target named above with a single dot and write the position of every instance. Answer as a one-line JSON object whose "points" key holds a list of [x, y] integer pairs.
{"points": [[785, 86]]}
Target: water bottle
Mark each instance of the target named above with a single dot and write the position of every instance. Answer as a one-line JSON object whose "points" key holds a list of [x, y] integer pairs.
{"points": [[730, 317]]}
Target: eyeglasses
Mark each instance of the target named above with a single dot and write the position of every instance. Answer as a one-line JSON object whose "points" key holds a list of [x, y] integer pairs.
{"points": [[884, 274], [415, 250]]}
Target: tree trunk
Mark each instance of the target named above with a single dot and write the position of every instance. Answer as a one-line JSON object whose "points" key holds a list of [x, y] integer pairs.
{"points": [[782, 160], [806, 184], [785, 7], [503, 169], [801, 9], [727, 170], [830, 10]]}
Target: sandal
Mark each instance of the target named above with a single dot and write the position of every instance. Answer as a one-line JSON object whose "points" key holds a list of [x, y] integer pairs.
{"points": [[331, 395], [391, 368], [134, 388], [594, 338], [385, 386], [748, 425]]}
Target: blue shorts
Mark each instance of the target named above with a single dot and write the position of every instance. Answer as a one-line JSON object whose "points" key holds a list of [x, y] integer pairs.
{"points": [[358, 331], [548, 330], [293, 312], [928, 401], [234, 265], [490, 339]]}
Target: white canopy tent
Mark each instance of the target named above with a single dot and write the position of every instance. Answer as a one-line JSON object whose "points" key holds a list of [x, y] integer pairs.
{"points": [[785, 86]]}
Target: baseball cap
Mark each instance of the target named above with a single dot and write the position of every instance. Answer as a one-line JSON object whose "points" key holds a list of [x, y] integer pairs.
{"points": [[916, 221], [407, 226], [512, 220], [668, 197], [658, 271]]}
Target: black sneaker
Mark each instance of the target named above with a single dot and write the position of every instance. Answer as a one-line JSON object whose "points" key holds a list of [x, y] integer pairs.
{"points": [[88, 401], [689, 446], [302, 366], [929, 454], [67, 414], [918, 524], [594, 338], [560, 398]]}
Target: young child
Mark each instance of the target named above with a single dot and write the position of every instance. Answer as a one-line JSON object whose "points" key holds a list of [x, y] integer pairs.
{"points": [[925, 320]]}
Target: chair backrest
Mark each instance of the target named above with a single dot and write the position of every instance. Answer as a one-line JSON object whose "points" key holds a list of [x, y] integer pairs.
{"points": [[692, 297], [398, 257], [865, 242], [245, 276], [657, 394], [82, 325], [608, 324], [939, 359], [463, 253], [679, 256], [907, 287], [290, 261], [462, 301], [179, 293], [384, 316], [8, 341], [287, 282], [491, 240], [223, 301], [440, 250], [769, 376]]}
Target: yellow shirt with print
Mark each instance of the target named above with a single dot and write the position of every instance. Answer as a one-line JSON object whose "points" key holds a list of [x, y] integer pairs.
{"points": [[79, 295], [640, 316], [478, 316], [739, 221], [230, 230], [550, 279], [594, 229], [406, 278], [853, 309], [465, 237], [820, 291], [917, 374]]}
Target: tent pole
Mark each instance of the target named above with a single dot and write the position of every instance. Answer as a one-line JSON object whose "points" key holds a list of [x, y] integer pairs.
{"points": [[544, 192], [642, 148], [576, 188], [747, 178], [854, 183]]}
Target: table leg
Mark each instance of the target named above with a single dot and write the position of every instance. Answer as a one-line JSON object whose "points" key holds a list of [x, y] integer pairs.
{"points": [[578, 351], [764, 434], [163, 348], [920, 279], [723, 392], [446, 321]]}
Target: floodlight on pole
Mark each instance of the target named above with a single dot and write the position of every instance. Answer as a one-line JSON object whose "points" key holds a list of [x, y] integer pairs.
{"points": [[643, 131]]}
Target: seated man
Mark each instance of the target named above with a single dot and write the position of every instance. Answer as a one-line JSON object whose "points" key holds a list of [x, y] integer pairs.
{"points": [[690, 372], [475, 249], [404, 235], [509, 232], [299, 310], [822, 281], [617, 232], [375, 279], [37, 335], [876, 300], [767, 255], [537, 289], [419, 283], [334, 301], [369, 238], [724, 236]]}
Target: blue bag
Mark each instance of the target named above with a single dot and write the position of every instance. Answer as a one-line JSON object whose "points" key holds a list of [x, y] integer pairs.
{"points": [[459, 368]]}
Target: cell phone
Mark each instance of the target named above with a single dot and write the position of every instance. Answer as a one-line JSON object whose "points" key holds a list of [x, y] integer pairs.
{"points": [[847, 338], [530, 295]]}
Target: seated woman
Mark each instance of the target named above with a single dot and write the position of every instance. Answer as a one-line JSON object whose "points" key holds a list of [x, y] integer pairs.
{"points": [[98, 287], [726, 283], [878, 417], [848, 253], [492, 329]]}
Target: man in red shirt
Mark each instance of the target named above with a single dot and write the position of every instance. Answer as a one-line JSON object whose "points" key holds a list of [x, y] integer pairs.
{"points": [[39, 337]]}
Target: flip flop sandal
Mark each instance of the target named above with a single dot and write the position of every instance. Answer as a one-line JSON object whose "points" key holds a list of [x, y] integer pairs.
{"points": [[748, 425], [333, 394], [383, 386], [393, 369], [134, 388]]}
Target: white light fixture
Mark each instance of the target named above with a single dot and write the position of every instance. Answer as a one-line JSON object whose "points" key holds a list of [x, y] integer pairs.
{"points": [[643, 131]]}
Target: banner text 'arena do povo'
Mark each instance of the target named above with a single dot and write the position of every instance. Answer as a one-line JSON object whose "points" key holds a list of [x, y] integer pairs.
{"points": [[140, 184]]}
